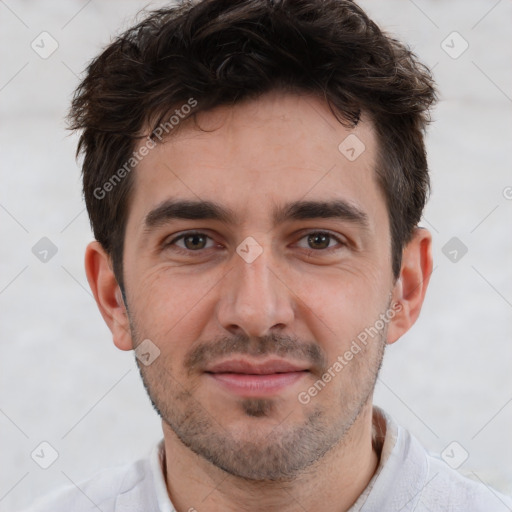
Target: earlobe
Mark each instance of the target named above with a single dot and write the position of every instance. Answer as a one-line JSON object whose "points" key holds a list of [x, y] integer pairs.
{"points": [[411, 286], [107, 294]]}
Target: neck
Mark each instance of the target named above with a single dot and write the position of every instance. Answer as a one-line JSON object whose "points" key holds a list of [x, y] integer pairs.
{"points": [[335, 481]]}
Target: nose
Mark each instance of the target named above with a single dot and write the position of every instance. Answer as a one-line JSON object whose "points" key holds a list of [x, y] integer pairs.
{"points": [[255, 298]]}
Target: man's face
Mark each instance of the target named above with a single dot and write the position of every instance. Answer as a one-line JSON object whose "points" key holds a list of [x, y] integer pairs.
{"points": [[246, 327]]}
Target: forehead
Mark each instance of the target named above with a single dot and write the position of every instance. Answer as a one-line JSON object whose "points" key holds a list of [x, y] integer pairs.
{"points": [[262, 153]]}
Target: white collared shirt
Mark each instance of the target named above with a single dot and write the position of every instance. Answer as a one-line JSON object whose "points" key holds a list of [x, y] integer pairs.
{"points": [[408, 479]]}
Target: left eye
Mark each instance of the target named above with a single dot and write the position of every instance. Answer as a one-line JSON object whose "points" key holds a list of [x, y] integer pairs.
{"points": [[192, 241], [320, 240]]}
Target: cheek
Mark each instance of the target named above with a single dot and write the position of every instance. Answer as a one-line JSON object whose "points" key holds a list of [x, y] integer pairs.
{"points": [[341, 297], [167, 307], [340, 309]]}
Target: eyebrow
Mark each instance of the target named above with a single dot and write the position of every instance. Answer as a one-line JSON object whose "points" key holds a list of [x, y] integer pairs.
{"points": [[333, 209], [297, 210], [187, 209]]}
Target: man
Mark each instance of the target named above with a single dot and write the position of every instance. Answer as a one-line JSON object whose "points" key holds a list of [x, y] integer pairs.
{"points": [[255, 173]]}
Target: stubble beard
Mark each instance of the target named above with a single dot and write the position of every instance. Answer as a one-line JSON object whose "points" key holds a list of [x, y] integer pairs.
{"points": [[257, 454]]}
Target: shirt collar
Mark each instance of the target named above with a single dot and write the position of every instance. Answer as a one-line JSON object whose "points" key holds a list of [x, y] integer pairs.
{"points": [[157, 461], [402, 472], [396, 485]]}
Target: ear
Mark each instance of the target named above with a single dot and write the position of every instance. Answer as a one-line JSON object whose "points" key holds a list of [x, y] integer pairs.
{"points": [[410, 287], [107, 294]]}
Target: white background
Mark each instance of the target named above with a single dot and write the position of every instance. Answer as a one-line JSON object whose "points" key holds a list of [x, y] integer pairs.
{"points": [[62, 381]]}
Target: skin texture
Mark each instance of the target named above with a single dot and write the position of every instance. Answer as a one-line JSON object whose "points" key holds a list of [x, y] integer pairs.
{"points": [[303, 299]]}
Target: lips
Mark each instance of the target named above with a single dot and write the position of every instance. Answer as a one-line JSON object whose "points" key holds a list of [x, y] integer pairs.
{"points": [[256, 379], [252, 368]]}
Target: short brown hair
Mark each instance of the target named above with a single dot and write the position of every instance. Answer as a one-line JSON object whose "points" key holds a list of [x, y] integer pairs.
{"points": [[220, 52]]}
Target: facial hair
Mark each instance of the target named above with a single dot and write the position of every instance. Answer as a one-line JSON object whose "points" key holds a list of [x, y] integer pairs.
{"points": [[289, 449]]}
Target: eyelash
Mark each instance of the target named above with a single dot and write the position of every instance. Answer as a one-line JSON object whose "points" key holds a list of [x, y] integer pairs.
{"points": [[310, 251]]}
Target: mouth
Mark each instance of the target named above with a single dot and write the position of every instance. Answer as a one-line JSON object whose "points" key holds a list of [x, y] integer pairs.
{"points": [[256, 379]]}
